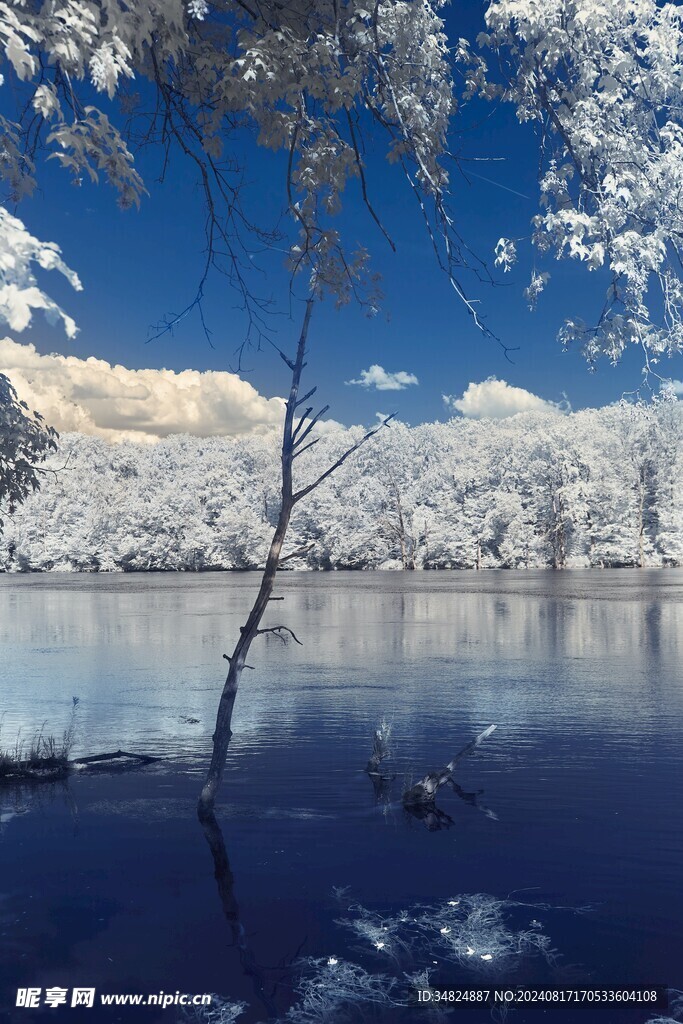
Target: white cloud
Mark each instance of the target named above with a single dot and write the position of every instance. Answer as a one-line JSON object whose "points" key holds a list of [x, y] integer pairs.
{"points": [[677, 387], [381, 379], [495, 399], [94, 397]]}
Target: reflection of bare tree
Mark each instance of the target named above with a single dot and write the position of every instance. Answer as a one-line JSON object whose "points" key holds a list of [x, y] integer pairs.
{"points": [[265, 979], [473, 800], [435, 819], [381, 786]]}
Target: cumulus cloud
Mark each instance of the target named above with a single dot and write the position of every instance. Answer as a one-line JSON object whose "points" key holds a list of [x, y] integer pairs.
{"points": [[677, 387], [113, 402], [495, 399], [382, 380]]}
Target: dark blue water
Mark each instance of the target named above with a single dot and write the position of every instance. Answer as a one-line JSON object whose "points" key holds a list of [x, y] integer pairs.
{"points": [[576, 840]]}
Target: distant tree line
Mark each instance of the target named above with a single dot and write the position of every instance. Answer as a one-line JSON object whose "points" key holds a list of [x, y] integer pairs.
{"points": [[600, 488]]}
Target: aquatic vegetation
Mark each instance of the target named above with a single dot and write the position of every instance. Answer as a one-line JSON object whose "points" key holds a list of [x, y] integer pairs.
{"points": [[43, 756], [382, 934], [472, 931], [42, 752], [330, 989], [221, 1011], [674, 1014]]}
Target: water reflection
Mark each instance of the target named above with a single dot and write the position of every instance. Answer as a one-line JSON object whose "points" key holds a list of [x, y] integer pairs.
{"points": [[144, 655], [581, 672], [264, 991]]}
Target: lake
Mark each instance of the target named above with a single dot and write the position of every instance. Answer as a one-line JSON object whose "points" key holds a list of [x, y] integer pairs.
{"points": [[564, 871]]}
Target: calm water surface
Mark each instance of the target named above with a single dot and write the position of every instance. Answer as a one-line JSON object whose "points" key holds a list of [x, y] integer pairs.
{"points": [[109, 882]]}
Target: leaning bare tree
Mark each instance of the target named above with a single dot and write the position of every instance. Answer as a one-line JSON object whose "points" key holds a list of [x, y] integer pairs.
{"points": [[296, 439]]}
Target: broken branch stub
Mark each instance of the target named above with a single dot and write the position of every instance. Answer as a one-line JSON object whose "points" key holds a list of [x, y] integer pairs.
{"points": [[380, 747]]}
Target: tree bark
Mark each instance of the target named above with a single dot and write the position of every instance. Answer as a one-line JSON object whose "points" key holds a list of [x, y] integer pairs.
{"points": [[641, 518], [295, 441], [248, 632]]}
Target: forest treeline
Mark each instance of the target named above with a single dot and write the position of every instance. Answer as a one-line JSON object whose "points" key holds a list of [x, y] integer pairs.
{"points": [[598, 488]]}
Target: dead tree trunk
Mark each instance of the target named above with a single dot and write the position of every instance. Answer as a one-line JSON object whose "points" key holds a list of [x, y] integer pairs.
{"points": [[293, 438], [248, 632]]}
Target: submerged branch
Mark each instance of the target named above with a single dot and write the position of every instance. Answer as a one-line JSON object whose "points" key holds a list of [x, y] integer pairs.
{"points": [[424, 792]]}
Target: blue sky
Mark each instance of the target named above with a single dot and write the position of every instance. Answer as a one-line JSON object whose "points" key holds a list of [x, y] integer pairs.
{"points": [[137, 266]]}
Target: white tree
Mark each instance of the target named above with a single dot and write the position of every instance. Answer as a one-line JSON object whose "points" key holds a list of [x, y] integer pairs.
{"points": [[604, 83], [25, 442]]}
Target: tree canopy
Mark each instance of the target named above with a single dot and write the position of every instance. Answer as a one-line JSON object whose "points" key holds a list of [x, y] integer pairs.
{"points": [[594, 488], [604, 82], [311, 77], [25, 442]]}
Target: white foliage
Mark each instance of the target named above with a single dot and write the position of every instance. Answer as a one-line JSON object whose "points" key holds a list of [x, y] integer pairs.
{"points": [[506, 254], [535, 287], [299, 73], [595, 488], [20, 293], [604, 80]]}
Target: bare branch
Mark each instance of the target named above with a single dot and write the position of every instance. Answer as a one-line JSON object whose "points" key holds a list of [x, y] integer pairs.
{"points": [[308, 395], [296, 554], [342, 459], [307, 412], [363, 184], [305, 448], [228, 658], [278, 632], [310, 427]]}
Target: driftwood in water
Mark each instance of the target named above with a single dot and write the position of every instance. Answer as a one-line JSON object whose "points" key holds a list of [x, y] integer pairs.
{"points": [[55, 769], [115, 755], [424, 792]]}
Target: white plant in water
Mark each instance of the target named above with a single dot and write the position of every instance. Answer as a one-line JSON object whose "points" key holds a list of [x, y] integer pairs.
{"points": [[221, 1011], [471, 931], [675, 1011], [327, 991], [376, 932]]}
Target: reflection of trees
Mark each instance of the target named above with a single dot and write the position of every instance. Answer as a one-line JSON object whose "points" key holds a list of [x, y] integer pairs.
{"points": [[266, 980], [580, 635], [22, 796]]}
